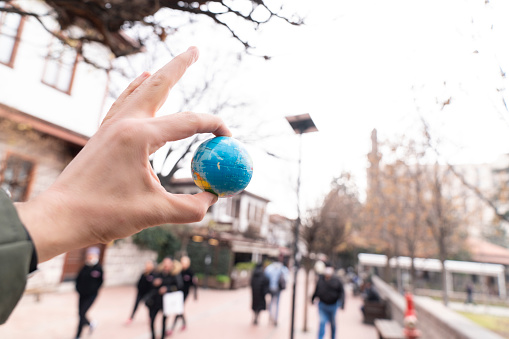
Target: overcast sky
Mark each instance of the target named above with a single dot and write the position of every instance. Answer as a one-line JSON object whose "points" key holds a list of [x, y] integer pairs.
{"points": [[359, 65]]}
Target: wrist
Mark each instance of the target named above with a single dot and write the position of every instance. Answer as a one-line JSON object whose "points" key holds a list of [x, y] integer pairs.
{"points": [[48, 221]]}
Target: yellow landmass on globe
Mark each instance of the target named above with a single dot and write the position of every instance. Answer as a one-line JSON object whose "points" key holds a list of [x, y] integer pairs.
{"points": [[202, 183]]}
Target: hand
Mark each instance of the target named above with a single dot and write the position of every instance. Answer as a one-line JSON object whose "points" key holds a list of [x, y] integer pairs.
{"points": [[157, 282], [163, 290], [109, 190]]}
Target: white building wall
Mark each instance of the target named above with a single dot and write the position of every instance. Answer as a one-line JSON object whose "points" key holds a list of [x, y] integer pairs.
{"points": [[482, 176], [124, 262], [21, 86], [244, 216], [47, 276]]}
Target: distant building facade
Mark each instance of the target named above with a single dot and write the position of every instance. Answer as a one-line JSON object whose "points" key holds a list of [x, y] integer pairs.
{"points": [[490, 179], [244, 214]]}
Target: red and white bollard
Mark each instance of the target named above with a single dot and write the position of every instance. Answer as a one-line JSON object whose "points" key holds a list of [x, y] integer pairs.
{"points": [[410, 320]]}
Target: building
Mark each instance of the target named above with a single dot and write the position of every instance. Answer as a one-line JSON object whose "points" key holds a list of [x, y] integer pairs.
{"points": [[281, 231], [476, 189], [44, 79], [244, 215], [235, 231], [478, 185], [51, 102]]}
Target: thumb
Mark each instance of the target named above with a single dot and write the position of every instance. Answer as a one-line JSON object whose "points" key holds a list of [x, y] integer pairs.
{"points": [[207, 197]]}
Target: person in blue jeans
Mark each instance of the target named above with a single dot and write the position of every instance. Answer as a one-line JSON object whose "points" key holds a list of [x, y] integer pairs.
{"points": [[329, 290], [277, 273]]}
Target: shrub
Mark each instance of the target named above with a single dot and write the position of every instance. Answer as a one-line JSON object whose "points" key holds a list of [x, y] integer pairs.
{"points": [[221, 278]]}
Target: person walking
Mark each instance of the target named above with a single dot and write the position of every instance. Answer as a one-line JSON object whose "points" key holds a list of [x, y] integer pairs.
{"points": [[469, 291], [144, 286], [329, 290], [164, 282], [189, 281], [277, 274], [259, 289], [88, 282]]}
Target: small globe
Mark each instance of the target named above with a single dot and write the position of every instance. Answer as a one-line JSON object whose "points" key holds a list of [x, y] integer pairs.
{"points": [[222, 166]]}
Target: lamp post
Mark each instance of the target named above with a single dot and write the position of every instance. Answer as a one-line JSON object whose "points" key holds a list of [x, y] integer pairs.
{"points": [[300, 124]]}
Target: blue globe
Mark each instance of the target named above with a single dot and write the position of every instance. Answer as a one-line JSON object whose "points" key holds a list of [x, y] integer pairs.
{"points": [[222, 166]]}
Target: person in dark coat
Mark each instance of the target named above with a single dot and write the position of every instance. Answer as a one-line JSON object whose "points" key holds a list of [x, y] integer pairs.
{"points": [[189, 281], [164, 282], [88, 282], [259, 289], [144, 286], [329, 290]]}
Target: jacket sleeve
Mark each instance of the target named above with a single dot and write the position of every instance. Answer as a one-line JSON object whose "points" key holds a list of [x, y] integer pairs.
{"points": [[79, 278], [102, 276], [342, 295], [180, 282], [17, 257], [315, 294]]}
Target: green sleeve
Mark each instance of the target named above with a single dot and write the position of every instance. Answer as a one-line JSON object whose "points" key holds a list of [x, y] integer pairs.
{"points": [[16, 253]]}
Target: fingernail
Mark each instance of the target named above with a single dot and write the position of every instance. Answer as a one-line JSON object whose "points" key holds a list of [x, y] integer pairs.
{"points": [[195, 51], [143, 75], [214, 199]]}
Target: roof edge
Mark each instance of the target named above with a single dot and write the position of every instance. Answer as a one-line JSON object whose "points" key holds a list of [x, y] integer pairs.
{"points": [[43, 126]]}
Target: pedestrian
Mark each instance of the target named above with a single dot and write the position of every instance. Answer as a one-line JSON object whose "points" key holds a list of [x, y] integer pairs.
{"points": [[259, 289], [91, 198], [277, 273], [88, 282], [329, 290], [370, 295], [143, 287], [189, 281], [469, 290], [164, 282]]}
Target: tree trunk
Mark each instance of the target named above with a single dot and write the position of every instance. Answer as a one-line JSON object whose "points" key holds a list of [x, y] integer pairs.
{"points": [[445, 291], [411, 253], [306, 301], [387, 276]]}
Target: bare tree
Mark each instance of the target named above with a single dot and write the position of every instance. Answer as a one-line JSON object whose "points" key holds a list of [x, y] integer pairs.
{"points": [[442, 220], [442, 217], [125, 27], [330, 226]]}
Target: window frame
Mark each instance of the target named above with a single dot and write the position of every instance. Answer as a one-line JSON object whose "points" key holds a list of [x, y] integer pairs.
{"points": [[31, 174], [73, 74], [17, 39]]}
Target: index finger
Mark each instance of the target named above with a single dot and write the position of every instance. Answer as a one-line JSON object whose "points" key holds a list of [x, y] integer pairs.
{"points": [[185, 124], [152, 93]]}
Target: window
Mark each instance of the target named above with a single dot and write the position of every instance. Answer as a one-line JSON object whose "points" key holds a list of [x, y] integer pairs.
{"points": [[16, 175], [60, 66], [11, 25], [237, 207], [233, 208]]}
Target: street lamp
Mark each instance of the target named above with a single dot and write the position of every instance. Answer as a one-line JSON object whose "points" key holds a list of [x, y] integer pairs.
{"points": [[301, 124]]}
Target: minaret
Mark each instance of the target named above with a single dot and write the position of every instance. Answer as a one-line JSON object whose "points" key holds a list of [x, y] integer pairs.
{"points": [[374, 158]]}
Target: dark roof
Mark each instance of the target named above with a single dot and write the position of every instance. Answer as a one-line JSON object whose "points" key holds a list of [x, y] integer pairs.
{"points": [[275, 218], [484, 251], [190, 182]]}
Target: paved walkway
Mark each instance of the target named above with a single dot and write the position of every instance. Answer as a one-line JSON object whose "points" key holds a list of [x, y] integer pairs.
{"points": [[216, 314]]}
